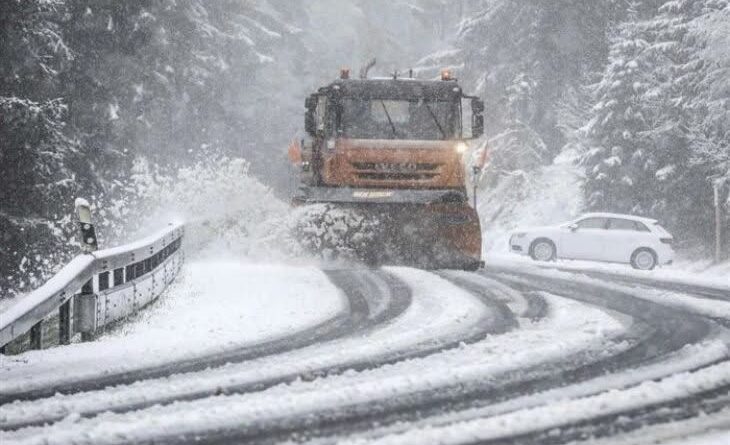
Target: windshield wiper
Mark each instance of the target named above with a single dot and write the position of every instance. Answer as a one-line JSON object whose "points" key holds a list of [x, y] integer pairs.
{"points": [[435, 119], [390, 121]]}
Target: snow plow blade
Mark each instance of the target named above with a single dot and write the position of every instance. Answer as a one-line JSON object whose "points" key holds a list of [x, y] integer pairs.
{"points": [[430, 229]]}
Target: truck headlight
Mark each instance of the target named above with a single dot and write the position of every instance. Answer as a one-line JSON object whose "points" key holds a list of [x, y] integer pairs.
{"points": [[461, 147]]}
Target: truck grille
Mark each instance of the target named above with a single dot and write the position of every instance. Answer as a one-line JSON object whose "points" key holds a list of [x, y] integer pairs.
{"points": [[391, 171]]}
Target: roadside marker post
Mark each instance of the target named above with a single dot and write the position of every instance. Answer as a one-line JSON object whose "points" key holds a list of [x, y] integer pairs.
{"points": [[86, 226], [716, 186], [85, 302]]}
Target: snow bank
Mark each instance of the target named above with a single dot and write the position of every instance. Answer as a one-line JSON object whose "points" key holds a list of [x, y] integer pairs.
{"points": [[439, 311], [544, 196], [699, 273], [707, 429], [573, 270], [226, 210], [564, 412], [230, 214], [551, 195], [212, 307]]}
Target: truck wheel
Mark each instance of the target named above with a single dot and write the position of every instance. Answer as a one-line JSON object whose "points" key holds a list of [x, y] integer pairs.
{"points": [[543, 249], [473, 266], [643, 259]]}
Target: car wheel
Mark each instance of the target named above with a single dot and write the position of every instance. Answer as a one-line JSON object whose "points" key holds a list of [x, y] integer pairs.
{"points": [[644, 259], [543, 250]]}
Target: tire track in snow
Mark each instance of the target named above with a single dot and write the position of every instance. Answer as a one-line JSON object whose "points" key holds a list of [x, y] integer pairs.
{"points": [[711, 302], [535, 306], [657, 334], [355, 312], [345, 418], [673, 329], [463, 396], [705, 403], [680, 396], [696, 290], [374, 297], [329, 329], [476, 329]]}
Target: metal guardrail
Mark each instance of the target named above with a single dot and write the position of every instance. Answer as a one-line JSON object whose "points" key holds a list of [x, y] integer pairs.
{"points": [[94, 290]]}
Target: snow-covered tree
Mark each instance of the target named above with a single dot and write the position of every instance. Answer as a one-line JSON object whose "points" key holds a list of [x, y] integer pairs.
{"points": [[41, 165], [524, 56], [648, 130]]}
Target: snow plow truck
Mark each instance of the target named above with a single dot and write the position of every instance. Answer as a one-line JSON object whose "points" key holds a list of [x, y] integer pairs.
{"points": [[390, 150]]}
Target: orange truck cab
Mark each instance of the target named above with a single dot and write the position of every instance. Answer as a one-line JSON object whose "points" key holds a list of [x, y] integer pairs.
{"points": [[395, 145]]}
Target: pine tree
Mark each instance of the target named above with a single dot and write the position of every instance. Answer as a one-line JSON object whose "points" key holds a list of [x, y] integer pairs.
{"points": [[42, 166], [648, 127], [525, 59]]}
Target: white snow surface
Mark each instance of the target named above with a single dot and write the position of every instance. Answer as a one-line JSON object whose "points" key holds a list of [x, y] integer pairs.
{"points": [[439, 310], [548, 195], [552, 195], [212, 307], [687, 359], [717, 277], [13, 308], [562, 412], [81, 202], [572, 270], [708, 429]]}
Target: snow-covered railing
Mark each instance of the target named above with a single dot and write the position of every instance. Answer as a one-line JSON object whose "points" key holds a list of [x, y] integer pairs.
{"points": [[92, 291]]}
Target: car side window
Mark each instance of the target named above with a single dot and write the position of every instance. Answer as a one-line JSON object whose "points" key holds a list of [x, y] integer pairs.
{"points": [[641, 227], [622, 224], [592, 223]]}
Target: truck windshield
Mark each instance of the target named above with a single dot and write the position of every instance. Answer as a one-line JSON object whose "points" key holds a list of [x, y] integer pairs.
{"points": [[419, 119]]}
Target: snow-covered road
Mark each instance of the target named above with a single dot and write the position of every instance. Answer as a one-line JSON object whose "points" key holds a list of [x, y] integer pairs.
{"points": [[214, 311], [512, 354]]}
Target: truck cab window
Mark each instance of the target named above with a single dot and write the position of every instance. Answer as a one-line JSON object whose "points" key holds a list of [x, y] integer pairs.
{"points": [[419, 119]]}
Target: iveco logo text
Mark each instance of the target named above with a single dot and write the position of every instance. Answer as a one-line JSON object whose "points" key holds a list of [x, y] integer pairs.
{"points": [[388, 167]]}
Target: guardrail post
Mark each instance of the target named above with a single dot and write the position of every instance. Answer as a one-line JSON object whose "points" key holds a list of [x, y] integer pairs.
{"points": [[72, 295], [64, 323], [716, 186], [85, 320], [36, 336]]}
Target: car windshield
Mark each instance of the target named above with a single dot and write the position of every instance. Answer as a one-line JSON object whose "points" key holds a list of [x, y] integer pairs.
{"points": [[421, 119]]}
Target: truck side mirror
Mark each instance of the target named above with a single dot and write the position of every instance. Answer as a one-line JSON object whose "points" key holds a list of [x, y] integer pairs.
{"points": [[310, 126], [477, 119], [477, 106], [310, 103], [477, 126]]}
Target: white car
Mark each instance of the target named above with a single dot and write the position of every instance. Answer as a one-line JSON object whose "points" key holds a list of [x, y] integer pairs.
{"points": [[609, 237]]}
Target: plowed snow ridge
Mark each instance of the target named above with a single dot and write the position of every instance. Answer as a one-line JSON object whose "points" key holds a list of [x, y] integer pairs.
{"points": [[217, 306]]}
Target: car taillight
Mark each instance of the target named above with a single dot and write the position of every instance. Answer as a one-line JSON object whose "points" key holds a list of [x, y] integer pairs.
{"points": [[669, 241]]}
